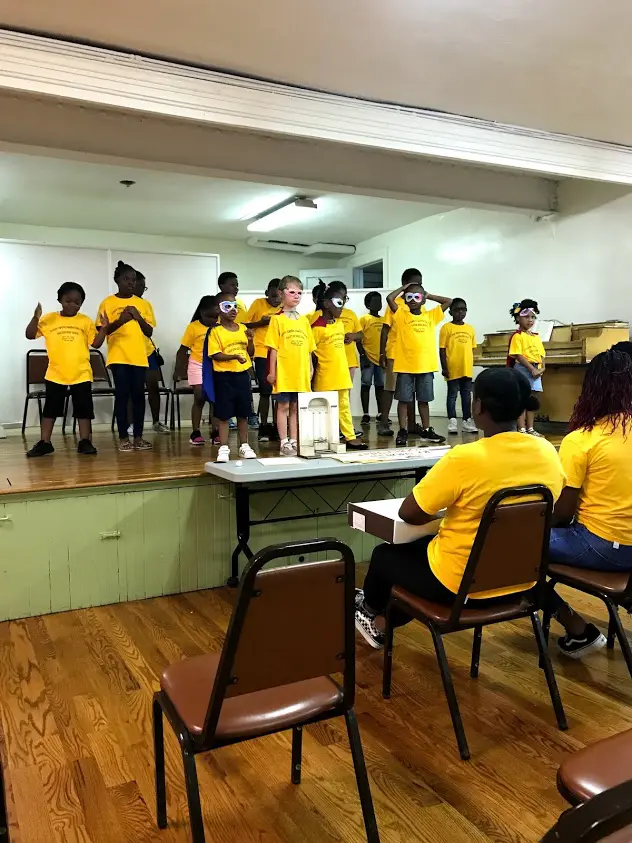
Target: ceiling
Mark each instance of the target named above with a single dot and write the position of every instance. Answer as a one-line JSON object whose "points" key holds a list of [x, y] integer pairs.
{"points": [[562, 66], [77, 194]]}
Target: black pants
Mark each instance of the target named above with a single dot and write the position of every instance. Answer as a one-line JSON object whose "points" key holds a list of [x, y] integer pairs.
{"points": [[464, 386], [407, 565], [129, 385]]}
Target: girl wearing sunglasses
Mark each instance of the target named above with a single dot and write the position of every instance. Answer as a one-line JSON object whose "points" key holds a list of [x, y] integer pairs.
{"points": [[231, 347], [526, 355], [331, 370]]}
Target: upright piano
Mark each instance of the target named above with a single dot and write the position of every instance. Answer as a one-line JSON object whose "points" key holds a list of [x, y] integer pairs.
{"points": [[568, 352]]}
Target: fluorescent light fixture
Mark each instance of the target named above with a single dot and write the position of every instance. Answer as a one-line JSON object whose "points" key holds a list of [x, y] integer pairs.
{"points": [[290, 212], [258, 206]]}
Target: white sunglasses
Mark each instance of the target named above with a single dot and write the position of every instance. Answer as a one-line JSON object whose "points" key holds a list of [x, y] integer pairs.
{"points": [[416, 297], [338, 302], [227, 306]]}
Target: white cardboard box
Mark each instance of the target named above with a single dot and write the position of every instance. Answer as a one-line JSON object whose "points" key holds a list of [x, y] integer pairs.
{"points": [[381, 519]]}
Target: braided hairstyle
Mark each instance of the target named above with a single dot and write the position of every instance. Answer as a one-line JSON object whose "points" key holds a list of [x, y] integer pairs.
{"points": [[606, 393], [525, 304]]}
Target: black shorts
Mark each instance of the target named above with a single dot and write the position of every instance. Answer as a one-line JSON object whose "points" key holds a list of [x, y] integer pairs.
{"points": [[233, 396], [261, 371], [82, 407]]}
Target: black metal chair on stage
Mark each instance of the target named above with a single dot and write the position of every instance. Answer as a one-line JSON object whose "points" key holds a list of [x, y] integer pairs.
{"points": [[273, 674], [497, 561], [36, 366]]}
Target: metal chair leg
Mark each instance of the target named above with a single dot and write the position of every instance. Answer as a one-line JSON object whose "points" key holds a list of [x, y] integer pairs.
{"points": [[39, 407], [615, 622], [65, 418], [159, 758], [179, 418], [476, 651], [450, 694], [25, 414], [612, 632], [548, 672], [193, 797], [546, 629], [362, 778], [297, 753], [387, 670]]}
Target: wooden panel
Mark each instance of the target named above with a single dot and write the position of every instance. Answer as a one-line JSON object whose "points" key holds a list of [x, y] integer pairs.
{"points": [[93, 551]]}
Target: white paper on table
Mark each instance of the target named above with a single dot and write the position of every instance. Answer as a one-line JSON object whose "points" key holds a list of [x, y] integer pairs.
{"points": [[281, 461], [358, 521]]}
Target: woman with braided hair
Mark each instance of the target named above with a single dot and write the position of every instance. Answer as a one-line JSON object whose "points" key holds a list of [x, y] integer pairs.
{"points": [[594, 512]]}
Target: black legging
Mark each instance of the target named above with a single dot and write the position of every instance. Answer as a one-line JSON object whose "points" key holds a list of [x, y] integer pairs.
{"points": [[129, 385]]}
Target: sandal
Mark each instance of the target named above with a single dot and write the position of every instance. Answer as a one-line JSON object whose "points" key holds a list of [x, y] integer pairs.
{"points": [[125, 446], [143, 445]]}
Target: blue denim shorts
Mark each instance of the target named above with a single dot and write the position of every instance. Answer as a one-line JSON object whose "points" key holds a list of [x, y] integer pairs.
{"points": [[411, 386], [285, 397], [577, 546], [372, 374], [536, 383]]}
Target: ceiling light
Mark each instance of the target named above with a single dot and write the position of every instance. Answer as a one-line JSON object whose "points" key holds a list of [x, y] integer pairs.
{"points": [[292, 211]]}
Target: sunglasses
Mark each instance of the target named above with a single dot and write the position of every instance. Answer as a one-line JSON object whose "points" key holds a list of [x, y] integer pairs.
{"points": [[337, 302], [297, 293], [416, 297], [527, 312], [227, 306]]}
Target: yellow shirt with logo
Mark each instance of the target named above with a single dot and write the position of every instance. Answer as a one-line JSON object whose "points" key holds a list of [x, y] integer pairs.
{"points": [[127, 343], [68, 340], [415, 348], [229, 342], [193, 339], [151, 318], [463, 481], [371, 333], [527, 345], [293, 341], [258, 309], [332, 370], [599, 463], [459, 342]]}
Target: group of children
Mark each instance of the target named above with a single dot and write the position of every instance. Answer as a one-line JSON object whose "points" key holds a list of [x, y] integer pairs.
{"points": [[290, 353]]}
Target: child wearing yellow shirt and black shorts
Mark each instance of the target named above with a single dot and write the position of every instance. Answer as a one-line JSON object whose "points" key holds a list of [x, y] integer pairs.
{"points": [[230, 346], [526, 355], [415, 355], [68, 335], [456, 352], [331, 370]]}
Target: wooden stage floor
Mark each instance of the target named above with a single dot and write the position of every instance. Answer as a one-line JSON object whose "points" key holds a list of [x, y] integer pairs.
{"points": [[172, 459], [75, 720]]}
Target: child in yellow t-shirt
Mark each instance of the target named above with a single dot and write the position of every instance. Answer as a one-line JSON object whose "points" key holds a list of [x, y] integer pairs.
{"points": [[371, 372], [190, 352], [526, 355], [415, 355], [291, 343], [331, 371], [231, 347], [258, 319], [68, 335], [456, 343]]}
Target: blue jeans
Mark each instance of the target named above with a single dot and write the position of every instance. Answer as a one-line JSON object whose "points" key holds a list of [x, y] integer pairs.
{"points": [[464, 386], [577, 546], [372, 374]]}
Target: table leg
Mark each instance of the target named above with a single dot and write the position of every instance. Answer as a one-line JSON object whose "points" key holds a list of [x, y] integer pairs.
{"points": [[242, 515]]}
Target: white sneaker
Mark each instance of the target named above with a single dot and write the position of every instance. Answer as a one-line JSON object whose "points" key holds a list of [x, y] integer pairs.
{"points": [[161, 428], [469, 426], [223, 454], [246, 452], [453, 426]]}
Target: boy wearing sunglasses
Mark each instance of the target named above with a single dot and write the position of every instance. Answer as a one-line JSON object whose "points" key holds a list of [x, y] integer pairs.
{"points": [[415, 354], [231, 347]]}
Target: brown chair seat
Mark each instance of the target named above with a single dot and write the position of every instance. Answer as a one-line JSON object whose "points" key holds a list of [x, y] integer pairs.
{"points": [[611, 583], [189, 684], [596, 768], [440, 614]]}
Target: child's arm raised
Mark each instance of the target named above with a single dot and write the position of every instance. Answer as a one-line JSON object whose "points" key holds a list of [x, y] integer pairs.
{"points": [[102, 333], [145, 327], [31, 328], [442, 300], [391, 298]]}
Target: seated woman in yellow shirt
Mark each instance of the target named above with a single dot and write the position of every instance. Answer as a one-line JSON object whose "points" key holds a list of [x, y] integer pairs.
{"points": [[462, 482], [596, 505]]}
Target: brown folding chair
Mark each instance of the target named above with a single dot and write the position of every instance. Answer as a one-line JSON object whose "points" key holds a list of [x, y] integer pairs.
{"points": [[614, 589], [607, 817], [36, 366], [596, 768], [180, 386], [275, 672], [510, 549]]}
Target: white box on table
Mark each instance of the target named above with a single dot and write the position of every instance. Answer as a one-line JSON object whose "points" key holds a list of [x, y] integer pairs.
{"points": [[381, 519]]}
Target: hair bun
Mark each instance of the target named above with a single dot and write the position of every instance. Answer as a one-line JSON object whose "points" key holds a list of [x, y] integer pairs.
{"points": [[120, 263]]}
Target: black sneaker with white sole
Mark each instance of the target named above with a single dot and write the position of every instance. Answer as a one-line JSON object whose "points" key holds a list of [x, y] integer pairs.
{"points": [[430, 435], [575, 647], [365, 624]]}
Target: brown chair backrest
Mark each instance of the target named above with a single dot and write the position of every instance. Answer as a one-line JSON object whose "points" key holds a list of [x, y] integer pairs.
{"points": [[100, 373], [289, 624], [511, 545], [36, 366]]}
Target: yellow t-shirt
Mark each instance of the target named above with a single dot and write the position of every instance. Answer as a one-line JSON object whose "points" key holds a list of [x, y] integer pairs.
{"points": [[258, 309], [371, 333], [242, 312], [127, 344], [388, 320], [415, 348], [459, 342], [464, 480], [527, 345], [149, 346], [352, 326], [294, 343], [68, 341], [332, 371], [599, 462], [229, 342], [193, 339]]}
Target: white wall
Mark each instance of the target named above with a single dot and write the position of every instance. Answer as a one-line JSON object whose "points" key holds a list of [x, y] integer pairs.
{"points": [[577, 266]]}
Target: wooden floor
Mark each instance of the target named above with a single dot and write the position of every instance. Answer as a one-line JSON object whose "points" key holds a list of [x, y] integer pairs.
{"points": [[75, 736], [173, 458]]}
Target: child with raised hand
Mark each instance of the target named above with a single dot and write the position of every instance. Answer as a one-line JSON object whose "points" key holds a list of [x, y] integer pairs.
{"points": [[68, 335], [456, 352], [258, 319], [371, 372], [415, 354], [230, 346], [192, 344], [526, 355], [331, 371], [291, 343]]}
